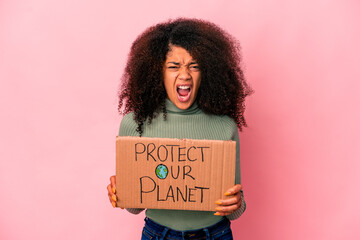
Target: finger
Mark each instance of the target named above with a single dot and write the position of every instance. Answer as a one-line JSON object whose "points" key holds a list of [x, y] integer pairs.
{"points": [[109, 189], [112, 201], [226, 209], [232, 191], [111, 195], [222, 213], [113, 183], [230, 201]]}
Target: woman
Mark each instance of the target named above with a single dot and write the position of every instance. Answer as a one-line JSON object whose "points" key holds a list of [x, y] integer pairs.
{"points": [[183, 80]]}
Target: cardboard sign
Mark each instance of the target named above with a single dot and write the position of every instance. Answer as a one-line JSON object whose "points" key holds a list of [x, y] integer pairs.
{"points": [[168, 173]]}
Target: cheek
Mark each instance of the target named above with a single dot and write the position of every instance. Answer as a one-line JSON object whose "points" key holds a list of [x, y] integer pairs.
{"points": [[168, 85], [169, 78], [166, 81]]}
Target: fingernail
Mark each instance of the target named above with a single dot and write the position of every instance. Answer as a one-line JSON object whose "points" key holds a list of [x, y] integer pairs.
{"points": [[218, 202], [113, 189], [113, 197], [113, 204], [218, 208], [227, 193], [217, 214]]}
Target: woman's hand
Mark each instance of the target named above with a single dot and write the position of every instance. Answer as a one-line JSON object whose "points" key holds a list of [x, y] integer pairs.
{"points": [[112, 191], [229, 205]]}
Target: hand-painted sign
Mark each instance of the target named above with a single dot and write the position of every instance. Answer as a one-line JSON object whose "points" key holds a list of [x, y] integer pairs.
{"points": [[168, 173]]}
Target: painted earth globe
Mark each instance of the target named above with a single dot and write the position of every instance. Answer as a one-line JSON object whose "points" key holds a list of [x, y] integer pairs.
{"points": [[161, 171]]}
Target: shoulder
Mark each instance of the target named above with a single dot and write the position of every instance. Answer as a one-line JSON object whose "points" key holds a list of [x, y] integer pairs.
{"points": [[228, 123], [222, 125], [228, 126], [128, 126]]}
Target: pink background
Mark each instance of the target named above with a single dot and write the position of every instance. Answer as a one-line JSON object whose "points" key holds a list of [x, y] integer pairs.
{"points": [[60, 64]]}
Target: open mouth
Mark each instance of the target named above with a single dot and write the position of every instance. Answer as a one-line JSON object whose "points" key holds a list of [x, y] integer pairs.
{"points": [[183, 92]]}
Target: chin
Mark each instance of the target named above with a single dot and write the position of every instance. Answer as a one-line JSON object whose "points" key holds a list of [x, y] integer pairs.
{"points": [[183, 106]]}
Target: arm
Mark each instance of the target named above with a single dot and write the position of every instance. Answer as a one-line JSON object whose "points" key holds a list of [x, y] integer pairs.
{"points": [[235, 206], [127, 128], [113, 198]]}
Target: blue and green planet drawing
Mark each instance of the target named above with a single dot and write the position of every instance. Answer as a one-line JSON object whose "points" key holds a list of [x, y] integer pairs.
{"points": [[161, 171]]}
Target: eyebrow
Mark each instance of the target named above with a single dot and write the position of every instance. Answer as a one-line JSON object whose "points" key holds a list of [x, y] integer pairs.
{"points": [[177, 63]]}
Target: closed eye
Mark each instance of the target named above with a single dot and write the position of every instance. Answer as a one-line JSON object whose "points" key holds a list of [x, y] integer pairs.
{"points": [[194, 67]]}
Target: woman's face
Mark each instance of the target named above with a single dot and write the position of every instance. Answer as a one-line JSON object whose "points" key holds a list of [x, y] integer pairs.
{"points": [[182, 77]]}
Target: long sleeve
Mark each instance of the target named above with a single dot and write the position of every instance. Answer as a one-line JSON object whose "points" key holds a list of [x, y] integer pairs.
{"points": [[128, 128], [240, 211], [191, 123], [242, 208], [135, 210]]}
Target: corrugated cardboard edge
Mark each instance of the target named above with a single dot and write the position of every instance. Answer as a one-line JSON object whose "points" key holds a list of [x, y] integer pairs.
{"points": [[225, 183]]}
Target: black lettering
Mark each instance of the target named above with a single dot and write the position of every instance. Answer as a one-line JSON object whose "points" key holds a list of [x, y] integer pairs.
{"points": [[170, 195], [202, 153], [149, 153], [172, 151], [190, 189], [202, 195], [158, 197], [186, 173], [158, 153], [172, 172], [178, 192], [188, 155], [181, 154], [136, 152], [141, 187]]}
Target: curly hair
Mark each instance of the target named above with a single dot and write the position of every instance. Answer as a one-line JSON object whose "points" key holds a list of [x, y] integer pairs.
{"points": [[223, 87]]}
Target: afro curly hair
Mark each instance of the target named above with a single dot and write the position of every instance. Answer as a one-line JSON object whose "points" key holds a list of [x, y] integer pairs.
{"points": [[223, 87]]}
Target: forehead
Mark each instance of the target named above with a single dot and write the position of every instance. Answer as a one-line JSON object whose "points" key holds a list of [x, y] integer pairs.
{"points": [[178, 53]]}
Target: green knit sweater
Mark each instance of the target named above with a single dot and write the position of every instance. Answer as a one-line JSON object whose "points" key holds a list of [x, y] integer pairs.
{"points": [[194, 124]]}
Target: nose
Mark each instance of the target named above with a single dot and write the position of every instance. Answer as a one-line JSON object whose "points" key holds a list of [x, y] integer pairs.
{"points": [[184, 73]]}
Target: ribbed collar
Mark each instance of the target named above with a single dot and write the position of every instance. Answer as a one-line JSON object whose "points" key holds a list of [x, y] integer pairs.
{"points": [[171, 108]]}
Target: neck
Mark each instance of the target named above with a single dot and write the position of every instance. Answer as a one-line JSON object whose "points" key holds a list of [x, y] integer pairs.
{"points": [[172, 108]]}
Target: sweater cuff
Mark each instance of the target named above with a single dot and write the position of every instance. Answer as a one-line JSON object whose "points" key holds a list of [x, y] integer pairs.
{"points": [[239, 211], [135, 210]]}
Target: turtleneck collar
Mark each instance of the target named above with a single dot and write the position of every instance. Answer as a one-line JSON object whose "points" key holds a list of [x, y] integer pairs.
{"points": [[171, 108]]}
